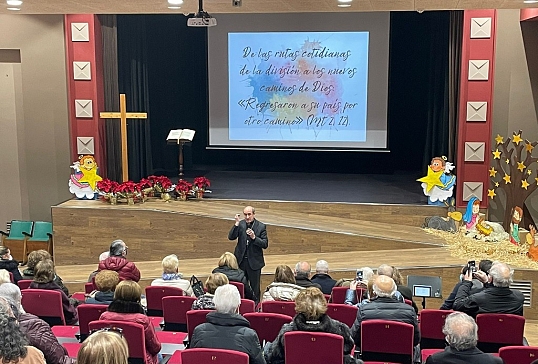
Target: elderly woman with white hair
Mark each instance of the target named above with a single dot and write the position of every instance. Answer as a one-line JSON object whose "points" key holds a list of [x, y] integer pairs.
{"points": [[226, 328], [171, 276]]}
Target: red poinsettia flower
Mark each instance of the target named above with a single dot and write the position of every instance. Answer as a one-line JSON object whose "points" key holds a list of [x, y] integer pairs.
{"points": [[145, 183], [128, 187], [183, 186], [201, 182], [107, 186]]}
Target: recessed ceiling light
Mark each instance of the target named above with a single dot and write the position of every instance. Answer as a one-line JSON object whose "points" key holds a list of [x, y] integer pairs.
{"points": [[175, 2], [14, 2], [345, 1], [174, 7], [13, 9], [344, 5], [530, 1]]}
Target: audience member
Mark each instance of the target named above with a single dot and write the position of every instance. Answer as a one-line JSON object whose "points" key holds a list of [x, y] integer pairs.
{"points": [[387, 270], [44, 279], [226, 328], [14, 346], [117, 261], [384, 306], [171, 276], [351, 296], [126, 307], [37, 331], [461, 335], [35, 257], [8, 263], [302, 275], [103, 347], [102, 257], [323, 278], [283, 287], [205, 302], [476, 287], [229, 267], [498, 298], [4, 276], [311, 308], [404, 291], [106, 282]]}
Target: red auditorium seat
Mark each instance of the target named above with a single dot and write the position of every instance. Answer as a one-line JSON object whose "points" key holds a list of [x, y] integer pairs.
{"points": [[313, 348], [267, 325], [383, 340]]}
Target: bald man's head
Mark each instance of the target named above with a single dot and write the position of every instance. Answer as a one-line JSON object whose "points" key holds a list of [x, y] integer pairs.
{"points": [[384, 286], [303, 269], [501, 274]]}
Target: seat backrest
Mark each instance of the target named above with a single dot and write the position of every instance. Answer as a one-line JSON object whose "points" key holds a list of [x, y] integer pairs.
{"points": [[247, 306], [383, 340], [338, 294], [213, 356], [282, 307], [88, 287], [496, 330], [24, 283], [154, 298], [86, 314], [42, 230], [175, 312], [343, 313], [132, 332], [302, 347], [518, 354], [267, 325], [44, 303], [11, 279], [18, 227], [195, 318], [431, 328], [240, 287]]}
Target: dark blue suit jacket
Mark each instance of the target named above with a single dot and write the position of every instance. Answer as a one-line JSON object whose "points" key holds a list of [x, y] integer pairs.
{"points": [[255, 248]]}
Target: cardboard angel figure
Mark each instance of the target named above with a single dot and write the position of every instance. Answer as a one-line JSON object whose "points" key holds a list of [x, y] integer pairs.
{"points": [[83, 182], [439, 183]]}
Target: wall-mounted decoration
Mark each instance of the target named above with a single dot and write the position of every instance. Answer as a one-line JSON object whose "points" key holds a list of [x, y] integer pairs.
{"points": [[475, 151], [85, 145], [478, 69], [477, 110], [472, 189], [82, 71], [80, 32], [480, 28], [83, 108]]}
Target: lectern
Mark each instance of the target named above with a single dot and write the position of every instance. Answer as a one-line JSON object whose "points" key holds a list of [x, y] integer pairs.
{"points": [[180, 137]]}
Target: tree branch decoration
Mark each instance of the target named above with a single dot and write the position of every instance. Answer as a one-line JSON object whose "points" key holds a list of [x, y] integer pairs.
{"points": [[511, 172]]}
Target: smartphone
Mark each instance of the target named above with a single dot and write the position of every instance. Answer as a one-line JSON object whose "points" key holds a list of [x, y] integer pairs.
{"points": [[359, 275], [471, 264]]}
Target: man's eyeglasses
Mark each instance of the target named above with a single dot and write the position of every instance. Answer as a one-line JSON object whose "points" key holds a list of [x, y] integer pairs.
{"points": [[117, 330]]}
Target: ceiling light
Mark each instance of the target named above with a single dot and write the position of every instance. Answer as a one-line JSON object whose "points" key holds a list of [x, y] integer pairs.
{"points": [[174, 7], [530, 1], [14, 2], [344, 5], [345, 1], [14, 9], [175, 2]]}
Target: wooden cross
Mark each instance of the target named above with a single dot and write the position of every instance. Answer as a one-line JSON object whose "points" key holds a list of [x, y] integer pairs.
{"points": [[123, 115]]}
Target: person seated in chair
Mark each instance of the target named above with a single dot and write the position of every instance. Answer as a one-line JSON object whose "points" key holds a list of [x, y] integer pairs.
{"points": [[302, 275], [226, 328], [104, 347], [106, 282], [229, 267], [461, 335], [283, 287], [35, 257], [311, 308], [7, 263], [205, 302], [322, 277], [117, 261], [171, 276]]}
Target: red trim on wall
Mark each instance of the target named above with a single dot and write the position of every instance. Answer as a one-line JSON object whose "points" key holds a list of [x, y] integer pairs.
{"points": [[90, 51], [475, 131], [528, 14]]}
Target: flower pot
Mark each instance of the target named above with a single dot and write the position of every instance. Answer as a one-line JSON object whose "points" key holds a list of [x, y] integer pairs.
{"points": [[200, 194], [165, 196], [183, 196], [130, 201], [113, 200]]}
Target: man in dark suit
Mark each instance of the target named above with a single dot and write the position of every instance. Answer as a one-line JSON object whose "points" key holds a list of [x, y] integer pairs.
{"points": [[251, 240], [461, 334]]}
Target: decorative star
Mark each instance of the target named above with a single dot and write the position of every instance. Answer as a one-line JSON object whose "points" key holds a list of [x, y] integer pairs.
{"points": [[90, 177], [521, 166], [529, 171], [529, 147], [496, 154], [507, 179], [499, 139], [432, 179], [516, 139], [491, 194], [536, 180], [507, 161], [524, 184], [496, 184], [492, 172]]}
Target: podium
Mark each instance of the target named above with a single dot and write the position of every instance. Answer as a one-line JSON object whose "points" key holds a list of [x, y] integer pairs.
{"points": [[180, 137]]}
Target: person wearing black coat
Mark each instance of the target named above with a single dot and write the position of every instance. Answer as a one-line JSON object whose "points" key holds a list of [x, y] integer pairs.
{"points": [[7, 263], [323, 278], [226, 329], [229, 267]]}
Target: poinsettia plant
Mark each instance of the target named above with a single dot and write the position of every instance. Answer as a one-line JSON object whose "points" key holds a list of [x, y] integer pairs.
{"points": [[183, 186], [161, 183], [201, 183], [107, 186]]}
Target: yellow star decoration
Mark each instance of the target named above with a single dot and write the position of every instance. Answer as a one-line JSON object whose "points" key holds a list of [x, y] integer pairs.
{"points": [[529, 171], [90, 177], [521, 166], [499, 139], [507, 161], [529, 147], [536, 180], [492, 172], [491, 194], [496, 154], [496, 184], [432, 179], [524, 184], [507, 179], [516, 139]]}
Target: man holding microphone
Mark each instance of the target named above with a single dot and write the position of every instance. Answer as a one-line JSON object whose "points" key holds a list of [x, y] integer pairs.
{"points": [[251, 239]]}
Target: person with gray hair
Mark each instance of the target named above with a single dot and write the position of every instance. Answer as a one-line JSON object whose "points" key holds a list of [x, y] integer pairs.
{"points": [[226, 328], [384, 306], [495, 298], [461, 335], [323, 278], [117, 261], [302, 275], [402, 291]]}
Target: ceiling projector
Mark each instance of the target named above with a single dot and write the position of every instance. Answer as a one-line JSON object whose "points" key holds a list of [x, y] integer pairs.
{"points": [[201, 18]]}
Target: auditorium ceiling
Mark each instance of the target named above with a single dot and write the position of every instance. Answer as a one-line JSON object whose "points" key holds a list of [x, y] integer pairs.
{"points": [[252, 6]]}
